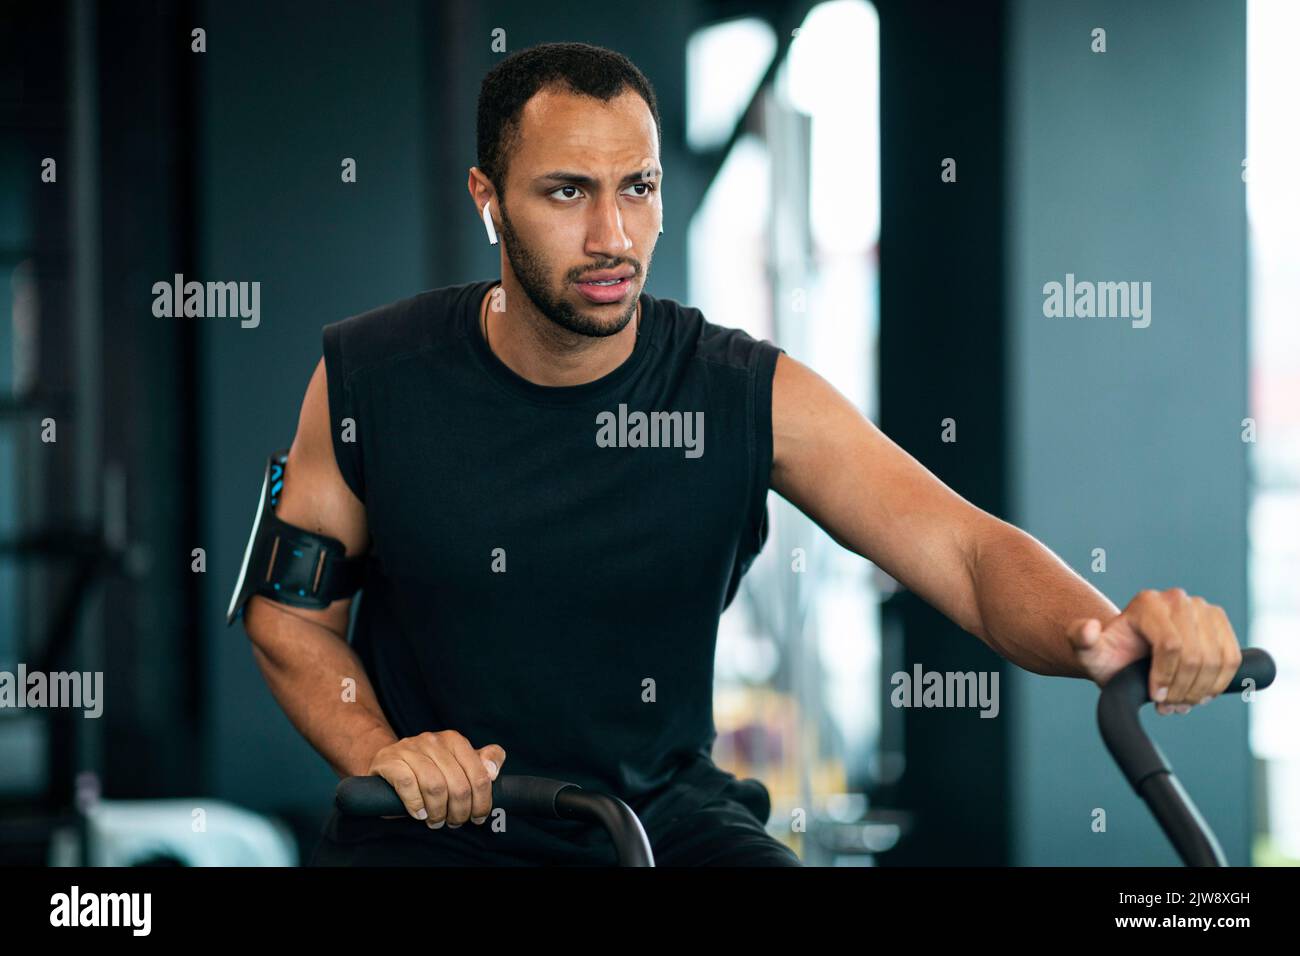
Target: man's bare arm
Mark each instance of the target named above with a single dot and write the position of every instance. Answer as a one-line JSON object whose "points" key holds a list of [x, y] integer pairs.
{"points": [[303, 653], [992, 579]]}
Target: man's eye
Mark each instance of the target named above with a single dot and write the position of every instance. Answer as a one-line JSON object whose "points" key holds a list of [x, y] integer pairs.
{"points": [[648, 187]]}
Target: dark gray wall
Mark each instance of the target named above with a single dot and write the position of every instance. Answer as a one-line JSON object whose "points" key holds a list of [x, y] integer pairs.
{"points": [[1126, 166], [284, 99], [941, 355]]}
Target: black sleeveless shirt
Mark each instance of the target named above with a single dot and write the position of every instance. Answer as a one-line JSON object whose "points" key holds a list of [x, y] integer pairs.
{"points": [[548, 564]]}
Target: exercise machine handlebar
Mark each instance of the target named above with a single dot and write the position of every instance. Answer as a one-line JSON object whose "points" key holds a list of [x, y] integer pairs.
{"points": [[1147, 769], [539, 797]]}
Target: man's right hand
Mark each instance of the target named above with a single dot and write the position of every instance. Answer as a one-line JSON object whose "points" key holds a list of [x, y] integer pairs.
{"points": [[440, 777]]}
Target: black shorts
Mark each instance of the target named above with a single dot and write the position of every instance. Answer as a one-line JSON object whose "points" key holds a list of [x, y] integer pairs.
{"points": [[723, 832], [727, 829]]}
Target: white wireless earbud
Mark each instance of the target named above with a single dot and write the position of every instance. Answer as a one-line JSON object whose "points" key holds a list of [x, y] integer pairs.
{"points": [[487, 221]]}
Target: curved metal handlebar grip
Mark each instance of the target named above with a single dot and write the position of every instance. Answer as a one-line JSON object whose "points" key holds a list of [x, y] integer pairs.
{"points": [[1146, 768], [541, 797], [1126, 693], [375, 797]]}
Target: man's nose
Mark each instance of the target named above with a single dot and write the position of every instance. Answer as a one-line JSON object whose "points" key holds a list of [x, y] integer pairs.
{"points": [[605, 233]]}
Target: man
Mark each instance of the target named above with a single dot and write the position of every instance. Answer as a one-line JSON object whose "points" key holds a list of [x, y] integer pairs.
{"points": [[557, 482]]}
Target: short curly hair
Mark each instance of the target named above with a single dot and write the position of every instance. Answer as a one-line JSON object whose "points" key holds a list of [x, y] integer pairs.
{"points": [[578, 67]]}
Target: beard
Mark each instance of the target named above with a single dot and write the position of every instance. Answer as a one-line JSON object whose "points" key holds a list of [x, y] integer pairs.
{"points": [[533, 274]]}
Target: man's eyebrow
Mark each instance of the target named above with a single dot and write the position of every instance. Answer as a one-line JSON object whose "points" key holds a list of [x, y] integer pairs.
{"points": [[581, 179]]}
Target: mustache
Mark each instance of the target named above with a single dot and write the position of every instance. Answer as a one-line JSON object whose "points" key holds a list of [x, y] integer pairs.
{"points": [[635, 267]]}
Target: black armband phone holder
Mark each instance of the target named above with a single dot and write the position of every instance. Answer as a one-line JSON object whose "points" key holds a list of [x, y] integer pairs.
{"points": [[288, 564]]}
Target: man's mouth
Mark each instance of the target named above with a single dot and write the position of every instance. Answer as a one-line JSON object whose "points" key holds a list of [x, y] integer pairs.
{"points": [[607, 276], [606, 289]]}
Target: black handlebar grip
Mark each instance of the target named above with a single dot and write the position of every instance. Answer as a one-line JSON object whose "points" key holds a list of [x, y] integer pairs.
{"points": [[374, 796], [1257, 666], [529, 796], [1130, 684], [1126, 693], [368, 797]]}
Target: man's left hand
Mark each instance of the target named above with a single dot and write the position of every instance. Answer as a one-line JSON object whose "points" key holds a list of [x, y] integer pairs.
{"points": [[1194, 649]]}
